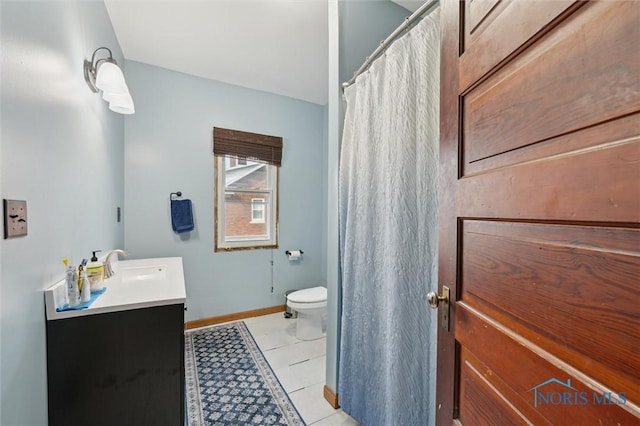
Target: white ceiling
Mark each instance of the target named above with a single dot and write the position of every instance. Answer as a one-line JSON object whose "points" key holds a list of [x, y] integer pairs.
{"points": [[278, 46], [411, 5]]}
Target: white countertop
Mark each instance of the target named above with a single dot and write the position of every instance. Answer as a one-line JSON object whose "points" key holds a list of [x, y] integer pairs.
{"points": [[129, 288]]}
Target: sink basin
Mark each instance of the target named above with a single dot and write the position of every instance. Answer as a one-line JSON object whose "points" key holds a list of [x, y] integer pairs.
{"points": [[144, 273], [136, 284]]}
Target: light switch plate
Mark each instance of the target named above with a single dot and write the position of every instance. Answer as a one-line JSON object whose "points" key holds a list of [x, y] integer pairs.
{"points": [[15, 218]]}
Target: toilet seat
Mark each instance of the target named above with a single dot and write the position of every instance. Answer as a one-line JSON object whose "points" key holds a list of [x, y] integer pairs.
{"points": [[309, 298], [303, 306], [309, 295]]}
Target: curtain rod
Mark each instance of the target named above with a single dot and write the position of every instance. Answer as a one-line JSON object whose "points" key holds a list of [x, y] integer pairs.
{"points": [[387, 41]]}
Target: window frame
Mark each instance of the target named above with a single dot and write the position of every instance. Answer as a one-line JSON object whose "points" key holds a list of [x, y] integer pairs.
{"points": [[258, 205], [221, 244]]}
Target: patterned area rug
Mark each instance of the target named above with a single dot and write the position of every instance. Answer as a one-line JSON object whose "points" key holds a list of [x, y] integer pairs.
{"points": [[229, 382]]}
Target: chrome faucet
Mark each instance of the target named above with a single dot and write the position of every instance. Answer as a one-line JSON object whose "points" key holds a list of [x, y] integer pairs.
{"points": [[108, 270]]}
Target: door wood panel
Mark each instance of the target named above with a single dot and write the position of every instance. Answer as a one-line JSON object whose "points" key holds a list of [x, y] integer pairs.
{"points": [[562, 270], [484, 40], [545, 83], [561, 187], [502, 389], [482, 402], [513, 365], [476, 12], [621, 130], [540, 212]]}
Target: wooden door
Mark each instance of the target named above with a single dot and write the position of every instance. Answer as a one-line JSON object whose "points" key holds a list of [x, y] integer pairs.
{"points": [[540, 213]]}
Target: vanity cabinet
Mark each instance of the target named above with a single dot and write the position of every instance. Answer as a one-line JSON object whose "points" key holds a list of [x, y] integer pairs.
{"points": [[117, 368]]}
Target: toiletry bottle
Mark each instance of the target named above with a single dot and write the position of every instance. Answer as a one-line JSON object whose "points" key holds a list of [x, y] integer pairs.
{"points": [[81, 280], [95, 271], [85, 292], [79, 274], [72, 284]]}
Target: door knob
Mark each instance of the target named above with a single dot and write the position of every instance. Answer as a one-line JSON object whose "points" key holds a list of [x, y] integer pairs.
{"points": [[433, 299]]}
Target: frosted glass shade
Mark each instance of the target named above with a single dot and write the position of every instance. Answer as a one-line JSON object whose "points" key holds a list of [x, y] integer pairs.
{"points": [[118, 97], [110, 79], [122, 104]]}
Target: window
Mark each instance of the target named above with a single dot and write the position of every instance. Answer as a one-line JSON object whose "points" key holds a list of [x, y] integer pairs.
{"points": [[257, 210], [246, 213]]}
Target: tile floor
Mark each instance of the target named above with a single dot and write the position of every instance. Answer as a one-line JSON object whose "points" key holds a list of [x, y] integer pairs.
{"points": [[300, 367]]}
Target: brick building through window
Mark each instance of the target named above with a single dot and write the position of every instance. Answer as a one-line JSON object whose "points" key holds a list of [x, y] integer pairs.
{"points": [[241, 207]]}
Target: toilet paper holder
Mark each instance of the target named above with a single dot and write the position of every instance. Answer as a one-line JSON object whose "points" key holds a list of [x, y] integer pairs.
{"points": [[288, 252]]}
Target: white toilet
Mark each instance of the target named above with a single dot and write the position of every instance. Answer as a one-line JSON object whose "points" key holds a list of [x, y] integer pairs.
{"points": [[310, 304]]}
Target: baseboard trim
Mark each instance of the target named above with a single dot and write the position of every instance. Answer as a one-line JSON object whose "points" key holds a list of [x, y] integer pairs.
{"points": [[332, 398], [234, 317]]}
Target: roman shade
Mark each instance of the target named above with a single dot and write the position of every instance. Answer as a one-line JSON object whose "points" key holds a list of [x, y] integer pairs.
{"points": [[251, 146]]}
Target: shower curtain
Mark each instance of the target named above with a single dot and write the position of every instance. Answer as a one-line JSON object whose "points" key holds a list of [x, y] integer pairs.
{"points": [[388, 234]]}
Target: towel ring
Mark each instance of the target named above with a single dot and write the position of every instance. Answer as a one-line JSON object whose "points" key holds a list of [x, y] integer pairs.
{"points": [[177, 194]]}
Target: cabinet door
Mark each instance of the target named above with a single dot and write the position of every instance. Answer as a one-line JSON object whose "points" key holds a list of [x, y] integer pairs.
{"points": [[120, 368]]}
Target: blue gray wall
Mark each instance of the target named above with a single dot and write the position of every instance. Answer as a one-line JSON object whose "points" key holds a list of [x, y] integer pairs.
{"points": [[356, 28], [363, 25], [169, 148], [61, 146], [62, 151]]}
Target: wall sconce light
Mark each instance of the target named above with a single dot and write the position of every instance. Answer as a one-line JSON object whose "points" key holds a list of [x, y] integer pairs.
{"points": [[105, 75]]}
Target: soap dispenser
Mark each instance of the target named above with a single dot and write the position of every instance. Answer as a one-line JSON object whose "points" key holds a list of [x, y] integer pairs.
{"points": [[95, 271]]}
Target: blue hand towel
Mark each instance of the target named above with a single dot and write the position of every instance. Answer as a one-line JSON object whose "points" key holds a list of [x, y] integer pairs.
{"points": [[85, 305], [181, 216]]}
